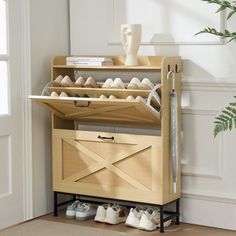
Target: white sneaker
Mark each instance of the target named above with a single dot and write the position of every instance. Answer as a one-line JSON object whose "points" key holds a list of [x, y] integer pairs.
{"points": [[134, 217], [118, 84], [67, 82], [112, 97], [54, 94], [57, 81], [166, 224], [139, 98], [80, 82], [150, 220], [116, 214], [70, 210], [63, 94], [146, 84], [103, 97], [85, 211], [130, 97], [101, 213], [134, 83], [107, 83]]}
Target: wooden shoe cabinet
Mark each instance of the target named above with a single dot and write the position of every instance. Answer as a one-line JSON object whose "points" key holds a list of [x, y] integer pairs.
{"points": [[118, 166]]}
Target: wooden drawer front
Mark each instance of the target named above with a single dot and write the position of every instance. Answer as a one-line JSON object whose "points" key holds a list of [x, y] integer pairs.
{"points": [[124, 168], [117, 112]]}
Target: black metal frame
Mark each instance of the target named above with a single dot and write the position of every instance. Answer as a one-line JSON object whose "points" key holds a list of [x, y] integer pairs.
{"points": [[171, 215]]}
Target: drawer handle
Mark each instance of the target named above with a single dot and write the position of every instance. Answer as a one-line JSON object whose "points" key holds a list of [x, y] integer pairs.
{"points": [[77, 104], [100, 137]]}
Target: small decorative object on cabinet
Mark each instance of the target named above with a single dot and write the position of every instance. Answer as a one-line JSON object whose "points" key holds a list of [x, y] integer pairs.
{"points": [[131, 39], [121, 167]]}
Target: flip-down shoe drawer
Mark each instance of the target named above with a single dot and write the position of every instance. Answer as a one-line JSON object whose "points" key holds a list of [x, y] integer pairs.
{"points": [[118, 112]]}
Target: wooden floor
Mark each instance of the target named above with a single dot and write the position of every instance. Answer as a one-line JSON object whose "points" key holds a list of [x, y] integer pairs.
{"points": [[174, 230]]}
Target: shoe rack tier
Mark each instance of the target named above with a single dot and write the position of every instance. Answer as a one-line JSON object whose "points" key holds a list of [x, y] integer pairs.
{"points": [[96, 92]]}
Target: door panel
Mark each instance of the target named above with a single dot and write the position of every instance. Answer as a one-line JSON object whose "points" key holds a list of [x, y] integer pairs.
{"points": [[11, 157]]}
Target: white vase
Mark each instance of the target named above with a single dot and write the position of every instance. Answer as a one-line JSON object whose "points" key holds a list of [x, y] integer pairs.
{"points": [[131, 39]]}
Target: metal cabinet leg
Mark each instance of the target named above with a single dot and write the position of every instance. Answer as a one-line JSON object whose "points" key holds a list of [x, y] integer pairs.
{"points": [[55, 204], [177, 212], [161, 219]]}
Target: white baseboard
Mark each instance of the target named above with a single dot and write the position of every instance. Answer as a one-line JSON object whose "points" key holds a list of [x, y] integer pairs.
{"points": [[208, 213]]}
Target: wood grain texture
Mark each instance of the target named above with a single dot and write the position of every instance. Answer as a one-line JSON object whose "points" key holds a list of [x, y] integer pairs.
{"points": [[132, 167], [127, 161]]}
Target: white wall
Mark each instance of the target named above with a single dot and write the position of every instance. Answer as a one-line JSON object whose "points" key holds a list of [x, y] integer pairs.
{"points": [[49, 37], [209, 75]]}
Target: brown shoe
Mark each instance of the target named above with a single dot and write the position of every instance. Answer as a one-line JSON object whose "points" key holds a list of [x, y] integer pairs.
{"points": [[90, 83]]}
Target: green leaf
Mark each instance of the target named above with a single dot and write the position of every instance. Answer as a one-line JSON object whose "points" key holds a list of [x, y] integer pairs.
{"points": [[230, 124], [222, 8], [223, 5], [230, 14], [231, 109], [226, 120], [227, 113], [234, 122], [220, 119], [217, 122], [218, 129], [224, 117]]}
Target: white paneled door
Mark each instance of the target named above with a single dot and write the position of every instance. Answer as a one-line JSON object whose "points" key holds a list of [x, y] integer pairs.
{"points": [[11, 121]]}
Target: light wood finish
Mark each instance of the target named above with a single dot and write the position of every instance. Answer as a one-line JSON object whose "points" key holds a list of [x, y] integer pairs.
{"points": [[96, 92], [118, 112], [132, 167], [122, 168], [151, 63], [165, 126]]}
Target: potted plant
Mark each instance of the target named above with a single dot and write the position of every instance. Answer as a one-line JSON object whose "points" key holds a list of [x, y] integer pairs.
{"points": [[226, 120]]}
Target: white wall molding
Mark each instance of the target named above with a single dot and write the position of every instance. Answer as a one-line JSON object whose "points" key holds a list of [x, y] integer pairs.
{"points": [[216, 197], [196, 111], [218, 175], [26, 108], [116, 41], [209, 86]]}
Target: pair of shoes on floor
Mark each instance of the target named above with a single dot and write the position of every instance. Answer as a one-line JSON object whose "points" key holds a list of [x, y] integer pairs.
{"points": [[62, 94], [116, 84], [145, 84], [90, 82], [105, 97], [111, 214], [145, 219], [139, 98], [81, 211]]}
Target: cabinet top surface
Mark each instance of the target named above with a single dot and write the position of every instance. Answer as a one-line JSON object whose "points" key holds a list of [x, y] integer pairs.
{"points": [[154, 63]]}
